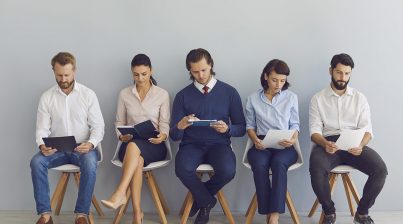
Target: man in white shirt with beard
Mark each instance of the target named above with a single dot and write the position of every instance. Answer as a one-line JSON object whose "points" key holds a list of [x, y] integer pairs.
{"points": [[333, 109], [67, 108]]}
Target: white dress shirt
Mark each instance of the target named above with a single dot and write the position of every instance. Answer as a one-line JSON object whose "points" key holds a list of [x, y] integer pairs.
{"points": [[330, 113], [76, 114], [210, 85]]}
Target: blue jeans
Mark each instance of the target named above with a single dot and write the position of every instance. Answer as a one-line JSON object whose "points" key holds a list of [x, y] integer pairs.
{"points": [[39, 173]]}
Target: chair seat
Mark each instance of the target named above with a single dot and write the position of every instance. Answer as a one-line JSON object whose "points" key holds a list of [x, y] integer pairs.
{"points": [[342, 169], [204, 168], [69, 168]]}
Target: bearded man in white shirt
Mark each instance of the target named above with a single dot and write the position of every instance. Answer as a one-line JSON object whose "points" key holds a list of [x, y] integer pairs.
{"points": [[331, 110], [67, 108]]}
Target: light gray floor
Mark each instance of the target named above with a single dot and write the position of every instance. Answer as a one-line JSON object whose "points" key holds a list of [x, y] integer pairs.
{"points": [[27, 217]]}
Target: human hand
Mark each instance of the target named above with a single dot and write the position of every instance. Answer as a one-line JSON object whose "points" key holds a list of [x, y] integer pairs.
{"points": [[159, 139], [84, 147], [125, 138], [184, 122], [331, 147], [355, 151], [220, 126], [258, 144], [47, 151]]}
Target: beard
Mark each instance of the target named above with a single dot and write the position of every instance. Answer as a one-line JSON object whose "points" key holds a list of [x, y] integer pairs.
{"points": [[340, 85], [65, 85]]}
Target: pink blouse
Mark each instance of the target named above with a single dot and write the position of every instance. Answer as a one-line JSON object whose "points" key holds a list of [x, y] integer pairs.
{"points": [[154, 107]]}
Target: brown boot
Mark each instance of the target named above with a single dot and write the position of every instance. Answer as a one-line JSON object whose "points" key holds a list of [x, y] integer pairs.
{"points": [[81, 220], [42, 220]]}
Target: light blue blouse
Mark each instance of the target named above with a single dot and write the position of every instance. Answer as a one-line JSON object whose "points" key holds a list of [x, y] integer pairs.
{"points": [[280, 114]]}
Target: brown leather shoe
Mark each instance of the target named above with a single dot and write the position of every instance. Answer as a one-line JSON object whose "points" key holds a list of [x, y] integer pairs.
{"points": [[81, 220], [42, 220]]}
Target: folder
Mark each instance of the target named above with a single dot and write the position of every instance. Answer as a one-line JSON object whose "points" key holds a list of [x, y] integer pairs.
{"points": [[143, 130], [62, 144]]}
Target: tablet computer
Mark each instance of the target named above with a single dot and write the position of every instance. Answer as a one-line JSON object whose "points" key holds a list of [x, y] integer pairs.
{"points": [[202, 123], [62, 144]]}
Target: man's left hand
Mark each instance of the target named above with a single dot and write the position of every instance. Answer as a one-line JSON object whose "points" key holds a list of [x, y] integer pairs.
{"points": [[355, 151], [220, 126], [84, 147]]}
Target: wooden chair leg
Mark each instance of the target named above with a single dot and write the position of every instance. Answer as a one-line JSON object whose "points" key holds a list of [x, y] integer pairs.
{"points": [[333, 180], [188, 195], [250, 213], [316, 203], [161, 197], [91, 218], [122, 209], [61, 196], [250, 204], [348, 194], [352, 187], [225, 207], [187, 205], [291, 208], [97, 206], [59, 188], [157, 200]]}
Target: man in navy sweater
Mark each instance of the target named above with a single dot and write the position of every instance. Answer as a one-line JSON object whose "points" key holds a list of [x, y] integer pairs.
{"points": [[206, 99]]}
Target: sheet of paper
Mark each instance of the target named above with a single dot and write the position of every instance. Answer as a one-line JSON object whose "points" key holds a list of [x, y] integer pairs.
{"points": [[273, 137], [350, 138]]}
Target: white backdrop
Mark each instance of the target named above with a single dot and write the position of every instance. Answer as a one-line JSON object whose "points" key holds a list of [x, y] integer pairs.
{"points": [[242, 37]]}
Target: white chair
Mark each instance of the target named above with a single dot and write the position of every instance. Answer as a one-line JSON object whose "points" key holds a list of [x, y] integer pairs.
{"points": [[156, 194], [349, 187], [60, 190], [188, 202], [253, 204]]}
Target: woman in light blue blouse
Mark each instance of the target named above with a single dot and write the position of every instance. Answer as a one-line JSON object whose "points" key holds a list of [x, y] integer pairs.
{"points": [[273, 107]]}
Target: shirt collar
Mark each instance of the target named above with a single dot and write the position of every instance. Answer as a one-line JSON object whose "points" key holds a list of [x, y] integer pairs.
{"points": [[330, 91], [210, 84], [76, 88], [134, 89]]}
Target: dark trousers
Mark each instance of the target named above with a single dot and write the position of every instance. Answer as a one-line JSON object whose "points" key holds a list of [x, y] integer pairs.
{"points": [[271, 196], [219, 156], [369, 162]]}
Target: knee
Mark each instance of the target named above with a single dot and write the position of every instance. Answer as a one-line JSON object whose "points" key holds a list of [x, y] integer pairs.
{"points": [[88, 164], [278, 166], [226, 173], [36, 162], [259, 167], [183, 171], [141, 162]]}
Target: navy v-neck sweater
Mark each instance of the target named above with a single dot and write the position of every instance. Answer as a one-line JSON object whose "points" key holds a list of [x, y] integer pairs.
{"points": [[221, 103]]}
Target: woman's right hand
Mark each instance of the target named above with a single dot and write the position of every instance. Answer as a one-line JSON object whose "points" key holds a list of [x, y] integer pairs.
{"points": [[258, 144], [125, 138]]}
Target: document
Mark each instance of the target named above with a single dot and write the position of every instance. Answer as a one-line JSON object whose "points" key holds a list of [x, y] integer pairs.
{"points": [[143, 130], [201, 122], [350, 138], [273, 137], [62, 144]]}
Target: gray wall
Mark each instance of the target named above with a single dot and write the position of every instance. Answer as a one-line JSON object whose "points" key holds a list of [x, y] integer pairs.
{"points": [[242, 36]]}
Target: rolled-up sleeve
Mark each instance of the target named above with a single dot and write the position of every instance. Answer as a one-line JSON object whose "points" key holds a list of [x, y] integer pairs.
{"points": [[294, 115], [250, 115], [315, 121], [165, 115]]}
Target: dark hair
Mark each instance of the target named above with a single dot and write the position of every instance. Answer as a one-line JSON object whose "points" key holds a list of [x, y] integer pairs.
{"points": [[280, 67], [63, 58], [196, 55], [343, 59], [142, 59]]}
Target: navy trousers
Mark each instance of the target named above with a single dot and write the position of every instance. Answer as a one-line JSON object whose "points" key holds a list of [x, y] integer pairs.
{"points": [[271, 196], [219, 156]]}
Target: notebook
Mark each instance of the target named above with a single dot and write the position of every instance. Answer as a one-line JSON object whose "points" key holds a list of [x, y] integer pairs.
{"points": [[62, 144], [143, 130]]}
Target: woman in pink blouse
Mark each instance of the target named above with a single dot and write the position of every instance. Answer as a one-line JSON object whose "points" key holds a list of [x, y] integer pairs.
{"points": [[138, 103]]}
